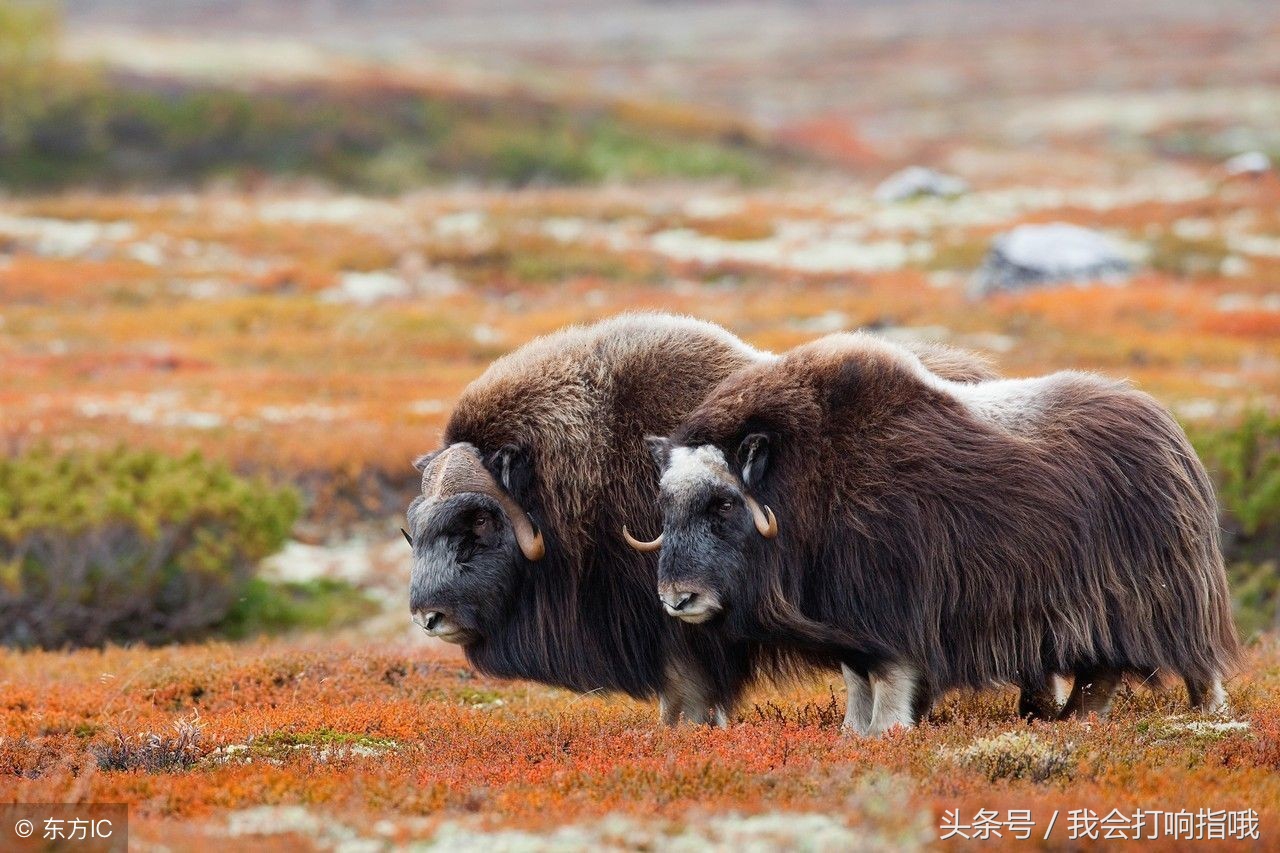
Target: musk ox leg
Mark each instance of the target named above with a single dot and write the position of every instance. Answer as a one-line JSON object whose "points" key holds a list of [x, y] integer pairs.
{"points": [[684, 695], [1092, 693], [858, 709], [1062, 689], [895, 704], [1210, 697], [668, 710], [1042, 702]]}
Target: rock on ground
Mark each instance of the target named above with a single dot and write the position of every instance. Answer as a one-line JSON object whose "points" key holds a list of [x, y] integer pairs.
{"points": [[1056, 253], [1248, 163], [917, 181]]}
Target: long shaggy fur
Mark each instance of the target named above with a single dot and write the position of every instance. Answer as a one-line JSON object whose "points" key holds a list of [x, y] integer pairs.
{"points": [[990, 533], [580, 402]]}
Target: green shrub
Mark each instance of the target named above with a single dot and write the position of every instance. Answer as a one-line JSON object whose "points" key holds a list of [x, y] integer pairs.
{"points": [[1244, 460], [1255, 594], [63, 124], [1245, 463], [266, 607], [128, 545]]}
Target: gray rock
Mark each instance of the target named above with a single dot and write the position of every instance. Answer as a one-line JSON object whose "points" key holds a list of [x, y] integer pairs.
{"points": [[1248, 163], [1044, 255], [918, 181]]}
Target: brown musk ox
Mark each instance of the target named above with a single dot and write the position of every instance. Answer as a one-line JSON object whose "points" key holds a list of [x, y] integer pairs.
{"points": [[842, 499], [515, 549]]}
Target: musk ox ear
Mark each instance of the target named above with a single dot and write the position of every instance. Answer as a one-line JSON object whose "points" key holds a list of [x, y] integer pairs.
{"points": [[660, 449], [513, 468], [753, 457], [424, 460]]}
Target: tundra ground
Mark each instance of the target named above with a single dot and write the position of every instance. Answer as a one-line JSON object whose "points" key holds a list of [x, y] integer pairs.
{"points": [[281, 744]]}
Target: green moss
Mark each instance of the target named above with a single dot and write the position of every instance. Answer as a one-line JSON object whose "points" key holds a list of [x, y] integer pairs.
{"points": [[472, 696], [963, 256], [1185, 258]]}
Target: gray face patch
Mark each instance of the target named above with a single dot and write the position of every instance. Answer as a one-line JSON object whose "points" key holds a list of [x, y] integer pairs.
{"points": [[696, 562], [461, 579]]}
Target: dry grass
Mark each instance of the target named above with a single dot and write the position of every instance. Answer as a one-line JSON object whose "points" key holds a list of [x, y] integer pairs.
{"points": [[408, 739]]}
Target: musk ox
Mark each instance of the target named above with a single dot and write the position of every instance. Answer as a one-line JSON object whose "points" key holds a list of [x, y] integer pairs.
{"points": [[515, 549], [844, 499]]}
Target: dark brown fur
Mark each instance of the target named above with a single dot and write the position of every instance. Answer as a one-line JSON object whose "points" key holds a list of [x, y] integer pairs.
{"points": [[579, 404], [1078, 535]]}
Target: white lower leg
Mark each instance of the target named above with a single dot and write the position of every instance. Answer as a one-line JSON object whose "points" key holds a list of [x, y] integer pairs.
{"points": [[1061, 690], [895, 688], [859, 704], [1216, 699]]}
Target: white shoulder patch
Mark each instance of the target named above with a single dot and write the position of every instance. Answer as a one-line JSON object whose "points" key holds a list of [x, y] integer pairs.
{"points": [[1009, 403]]}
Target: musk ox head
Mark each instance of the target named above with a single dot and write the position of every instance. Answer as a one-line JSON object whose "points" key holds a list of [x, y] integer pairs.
{"points": [[470, 538], [712, 526]]}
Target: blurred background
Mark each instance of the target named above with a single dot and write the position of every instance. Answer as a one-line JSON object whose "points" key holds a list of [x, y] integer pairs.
{"points": [[251, 252]]}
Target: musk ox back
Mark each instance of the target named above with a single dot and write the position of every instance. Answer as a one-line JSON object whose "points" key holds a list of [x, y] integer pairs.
{"points": [[517, 555], [844, 498]]}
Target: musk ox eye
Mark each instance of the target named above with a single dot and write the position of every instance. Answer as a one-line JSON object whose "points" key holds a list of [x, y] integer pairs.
{"points": [[723, 506], [482, 524]]}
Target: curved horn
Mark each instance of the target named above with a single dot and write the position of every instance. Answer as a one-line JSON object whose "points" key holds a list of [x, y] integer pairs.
{"points": [[642, 547], [458, 469], [766, 521], [528, 537]]}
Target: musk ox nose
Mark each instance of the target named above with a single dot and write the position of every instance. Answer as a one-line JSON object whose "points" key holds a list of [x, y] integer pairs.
{"points": [[428, 619], [687, 603], [678, 600], [439, 624]]}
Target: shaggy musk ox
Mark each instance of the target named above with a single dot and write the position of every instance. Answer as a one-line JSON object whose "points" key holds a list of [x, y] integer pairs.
{"points": [[845, 500], [516, 554]]}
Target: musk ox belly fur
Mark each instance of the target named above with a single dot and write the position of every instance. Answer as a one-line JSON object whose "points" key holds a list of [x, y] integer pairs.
{"points": [[988, 533]]}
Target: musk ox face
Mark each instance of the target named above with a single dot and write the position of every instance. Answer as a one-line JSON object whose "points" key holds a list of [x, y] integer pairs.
{"points": [[471, 542], [711, 528]]}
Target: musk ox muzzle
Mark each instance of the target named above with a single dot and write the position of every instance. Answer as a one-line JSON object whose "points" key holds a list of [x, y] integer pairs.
{"points": [[689, 604], [457, 470]]}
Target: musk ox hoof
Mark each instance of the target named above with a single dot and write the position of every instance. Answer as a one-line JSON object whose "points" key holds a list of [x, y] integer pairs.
{"points": [[881, 731], [850, 730]]}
